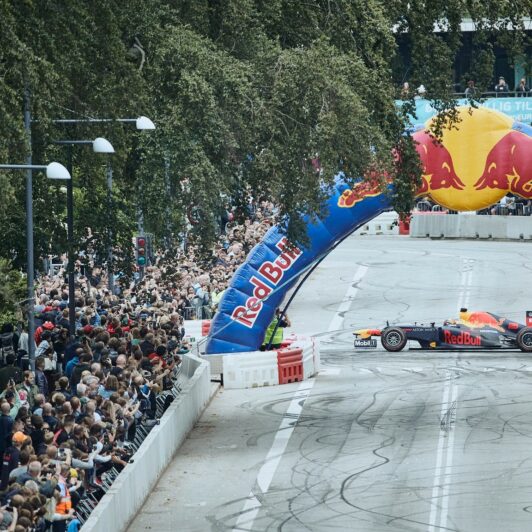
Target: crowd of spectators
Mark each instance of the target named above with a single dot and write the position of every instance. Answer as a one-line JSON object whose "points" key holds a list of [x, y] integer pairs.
{"points": [[501, 88], [509, 205], [70, 426]]}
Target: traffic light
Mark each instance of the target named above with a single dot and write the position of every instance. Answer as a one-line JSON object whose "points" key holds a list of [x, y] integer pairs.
{"points": [[140, 251]]}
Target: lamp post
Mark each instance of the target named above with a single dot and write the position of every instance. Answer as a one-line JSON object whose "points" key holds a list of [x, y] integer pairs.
{"points": [[142, 123], [99, 145], [53, 171]]}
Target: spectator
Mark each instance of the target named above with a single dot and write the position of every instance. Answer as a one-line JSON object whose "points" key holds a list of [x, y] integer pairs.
{"points": [[10, 372], [23, 348], [522, 88], [40, 377], [471, 90], [10, 458], [6, 426], [29, 386], [502, 87]]}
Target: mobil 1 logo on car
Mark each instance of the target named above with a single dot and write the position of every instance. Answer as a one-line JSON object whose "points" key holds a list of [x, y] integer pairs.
{"points": [[368, 343]]}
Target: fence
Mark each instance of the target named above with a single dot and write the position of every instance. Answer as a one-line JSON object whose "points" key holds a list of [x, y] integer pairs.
{"points": [[204, 312]]}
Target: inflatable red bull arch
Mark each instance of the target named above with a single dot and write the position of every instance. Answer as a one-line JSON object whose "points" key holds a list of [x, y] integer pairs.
{"points": [[476, 163]]}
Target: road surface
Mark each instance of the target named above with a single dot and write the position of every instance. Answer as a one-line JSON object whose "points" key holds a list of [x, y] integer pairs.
{"points": [[378, 442]]}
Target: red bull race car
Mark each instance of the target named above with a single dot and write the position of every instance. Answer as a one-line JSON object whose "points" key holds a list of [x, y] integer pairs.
{"points": [[472, 330]]}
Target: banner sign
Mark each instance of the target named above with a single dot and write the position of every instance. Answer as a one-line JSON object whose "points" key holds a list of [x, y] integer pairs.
{"points": [[520, 109]]}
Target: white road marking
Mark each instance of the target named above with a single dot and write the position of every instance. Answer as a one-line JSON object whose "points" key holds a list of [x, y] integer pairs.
{"points": [[439, 459], [444, 453], [273, 458], [329, 371], [282, 436], [447, 476]]}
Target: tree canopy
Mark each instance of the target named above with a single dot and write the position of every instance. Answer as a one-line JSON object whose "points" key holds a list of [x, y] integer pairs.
{"points": [[245, 95]]}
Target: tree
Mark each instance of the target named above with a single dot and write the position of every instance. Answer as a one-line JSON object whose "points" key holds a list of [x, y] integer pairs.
{"points": [[246, 94], [12, 290]]}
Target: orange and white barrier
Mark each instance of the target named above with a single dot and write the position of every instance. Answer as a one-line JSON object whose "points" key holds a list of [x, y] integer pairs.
{"points": [[290, 364], [197, 329], [296, 360]]}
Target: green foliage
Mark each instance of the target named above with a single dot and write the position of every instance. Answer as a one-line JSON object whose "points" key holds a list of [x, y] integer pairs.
{"points": [[245, 94], [12, 291]]}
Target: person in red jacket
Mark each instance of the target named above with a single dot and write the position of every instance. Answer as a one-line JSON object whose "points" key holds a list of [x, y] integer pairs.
{"points": [[46, 326]]}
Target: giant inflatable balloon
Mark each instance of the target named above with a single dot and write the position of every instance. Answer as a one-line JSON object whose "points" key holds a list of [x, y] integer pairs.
{"points": [[472, 167], [478, 161]]}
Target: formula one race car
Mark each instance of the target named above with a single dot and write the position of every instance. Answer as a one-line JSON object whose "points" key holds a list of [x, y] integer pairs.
{"points": [[477, 330]]}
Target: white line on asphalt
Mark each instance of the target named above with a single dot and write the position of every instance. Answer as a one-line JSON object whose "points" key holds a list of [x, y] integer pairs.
{"points": [[329, 371], [282, 436], [273, 458], [439, 459], [447, 475], [444, 454]]}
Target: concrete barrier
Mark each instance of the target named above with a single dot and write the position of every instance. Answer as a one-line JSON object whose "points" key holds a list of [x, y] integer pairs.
{"points": [[127, 494], [386, 223], [250, 370], [471, 226]]}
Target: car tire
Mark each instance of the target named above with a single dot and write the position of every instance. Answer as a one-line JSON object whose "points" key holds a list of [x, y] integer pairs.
{"points": [[524, 339], [393, 339]]}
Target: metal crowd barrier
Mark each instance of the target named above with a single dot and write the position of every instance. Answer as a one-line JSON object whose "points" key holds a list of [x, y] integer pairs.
{"points": [[204, 312]]}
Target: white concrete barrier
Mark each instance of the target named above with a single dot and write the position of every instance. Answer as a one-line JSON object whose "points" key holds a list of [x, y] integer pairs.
{"points": [[471, 226], [127, 494], [250, 370], [386, 223]]}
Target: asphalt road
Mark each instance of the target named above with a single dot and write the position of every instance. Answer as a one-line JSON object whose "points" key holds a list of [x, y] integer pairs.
{"points": [[415, 441]]}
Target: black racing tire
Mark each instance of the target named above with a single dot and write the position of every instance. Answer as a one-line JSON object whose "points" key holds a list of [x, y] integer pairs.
{"points": [[393, 339], [524, 339]]}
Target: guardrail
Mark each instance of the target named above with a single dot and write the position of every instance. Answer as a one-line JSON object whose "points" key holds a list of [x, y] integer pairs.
{"points": [[127, 494]]}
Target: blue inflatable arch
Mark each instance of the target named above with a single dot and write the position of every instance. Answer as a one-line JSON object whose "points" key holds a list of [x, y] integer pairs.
{"points": [[260, 284]]}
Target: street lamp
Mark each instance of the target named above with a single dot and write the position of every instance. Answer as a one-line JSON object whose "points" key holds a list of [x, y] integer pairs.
{"points": [[142, 123], [53, 171], [99, 145]]}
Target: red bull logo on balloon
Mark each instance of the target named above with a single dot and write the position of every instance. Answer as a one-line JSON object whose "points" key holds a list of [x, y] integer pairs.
{"points": [[364, 189], [476, 162], [272, 272], [509, 166], [438, 167]]}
